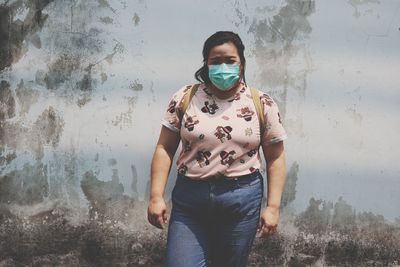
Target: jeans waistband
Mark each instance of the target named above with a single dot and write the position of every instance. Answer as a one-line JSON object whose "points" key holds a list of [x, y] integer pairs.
{"points": [[247, 177]]}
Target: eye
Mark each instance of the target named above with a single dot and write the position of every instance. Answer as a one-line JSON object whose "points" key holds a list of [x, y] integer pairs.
{"points": [[215, 62]]}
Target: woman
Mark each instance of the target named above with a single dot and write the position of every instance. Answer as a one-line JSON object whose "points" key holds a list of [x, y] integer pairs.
{"points": [[216, 201]]}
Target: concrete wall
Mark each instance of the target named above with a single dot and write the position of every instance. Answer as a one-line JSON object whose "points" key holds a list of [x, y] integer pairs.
{"points": [[83, 88]]}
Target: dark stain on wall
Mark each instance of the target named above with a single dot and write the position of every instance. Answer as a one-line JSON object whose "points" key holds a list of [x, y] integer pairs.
{"points": [[136, 86], [277, 40], [7, 111], [356, 3], [48, 127], [105, 4], [5, 159], [107, 201], [46, 130], [7, 102], [135, 193], [331, 234], [314, 239], [289, 194], [57, 243], [125, 118], [78, 47], [116, 231], [61, 70], [86, 83], [26, 97], [27, 186], [341, 236], [12, 34], [106, 20], [136, 19]]}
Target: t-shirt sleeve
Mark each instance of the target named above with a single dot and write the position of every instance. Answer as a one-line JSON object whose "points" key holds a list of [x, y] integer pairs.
{"points": [[274, 131], [171, 119]]}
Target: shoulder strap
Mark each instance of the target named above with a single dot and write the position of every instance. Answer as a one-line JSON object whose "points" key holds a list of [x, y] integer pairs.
{"points": [[186, 100], [259, 109]]}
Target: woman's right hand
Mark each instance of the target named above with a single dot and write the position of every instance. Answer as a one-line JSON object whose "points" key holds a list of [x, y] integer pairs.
{"points": [[157, 212]]}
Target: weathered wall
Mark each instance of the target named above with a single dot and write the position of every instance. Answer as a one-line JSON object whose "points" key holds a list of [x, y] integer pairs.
{"points": [[83, 87]]}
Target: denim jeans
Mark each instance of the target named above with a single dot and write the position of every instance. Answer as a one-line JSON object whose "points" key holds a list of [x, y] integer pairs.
{"points": [[213, 222]]}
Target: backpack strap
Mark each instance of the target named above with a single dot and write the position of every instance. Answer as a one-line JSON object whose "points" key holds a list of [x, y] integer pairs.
{"points": [[186, 100], [259, 109]]}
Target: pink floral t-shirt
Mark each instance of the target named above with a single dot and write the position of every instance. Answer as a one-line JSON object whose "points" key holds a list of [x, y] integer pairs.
{"points": [[222, 136]]}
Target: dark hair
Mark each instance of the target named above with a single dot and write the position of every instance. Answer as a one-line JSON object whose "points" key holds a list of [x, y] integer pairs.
{"points": [[220, 38]]}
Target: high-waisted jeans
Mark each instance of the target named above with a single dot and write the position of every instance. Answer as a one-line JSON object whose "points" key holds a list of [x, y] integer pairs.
{"points": [[213, 222]]}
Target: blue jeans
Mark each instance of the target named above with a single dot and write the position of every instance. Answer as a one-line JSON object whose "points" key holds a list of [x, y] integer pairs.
{"points": [[213, 222]]}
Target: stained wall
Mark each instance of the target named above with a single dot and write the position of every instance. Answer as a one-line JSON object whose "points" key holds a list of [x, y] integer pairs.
{"points": [[84, 85]]}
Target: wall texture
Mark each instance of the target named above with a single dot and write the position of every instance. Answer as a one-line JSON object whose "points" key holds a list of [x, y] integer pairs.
{"points": [[83, 87]]}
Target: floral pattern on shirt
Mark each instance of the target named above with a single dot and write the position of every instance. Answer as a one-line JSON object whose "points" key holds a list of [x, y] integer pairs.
{"points": [[222, 136]]}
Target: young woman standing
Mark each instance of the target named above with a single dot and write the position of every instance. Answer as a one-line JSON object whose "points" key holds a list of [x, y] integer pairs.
{"points": [[216, 201]]}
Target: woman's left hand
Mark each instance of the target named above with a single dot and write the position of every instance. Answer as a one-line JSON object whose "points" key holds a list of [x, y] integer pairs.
{"points": [[268, 222]]}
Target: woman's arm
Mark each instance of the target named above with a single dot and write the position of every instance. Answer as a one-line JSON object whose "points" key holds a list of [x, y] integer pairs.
{"points": [[276, 176], [160, 167]]}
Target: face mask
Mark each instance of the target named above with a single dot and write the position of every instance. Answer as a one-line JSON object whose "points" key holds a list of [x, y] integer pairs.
{"points": [[224, 76]]}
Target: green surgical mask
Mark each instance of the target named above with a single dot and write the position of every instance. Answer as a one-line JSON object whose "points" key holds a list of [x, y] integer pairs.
{"points": [[224, 76]]}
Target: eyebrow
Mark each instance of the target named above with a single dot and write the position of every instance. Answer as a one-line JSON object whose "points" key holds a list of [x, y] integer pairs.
{"points": [[217, 57]]}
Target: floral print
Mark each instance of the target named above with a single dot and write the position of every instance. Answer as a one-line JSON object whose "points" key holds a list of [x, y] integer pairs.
{"points": [[222, 136], [223, 133], [209, 108], [246, 113]]}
